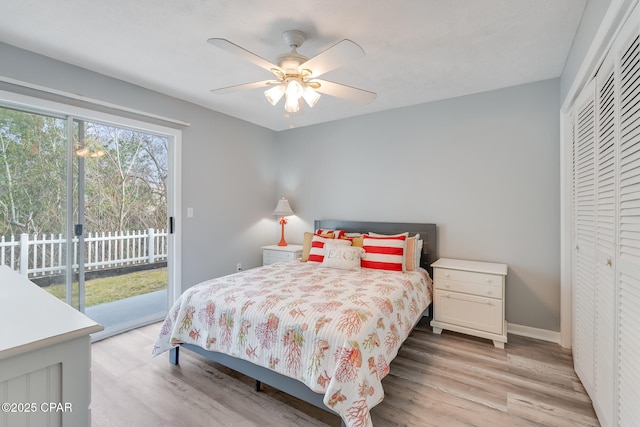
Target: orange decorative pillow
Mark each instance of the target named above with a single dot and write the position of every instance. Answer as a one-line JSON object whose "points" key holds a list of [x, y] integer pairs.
{"points": [[410, 254], [355, 241], [337, 234]]}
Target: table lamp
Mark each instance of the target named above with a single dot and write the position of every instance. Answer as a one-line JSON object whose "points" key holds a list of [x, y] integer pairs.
{"points": [[283, 209]]}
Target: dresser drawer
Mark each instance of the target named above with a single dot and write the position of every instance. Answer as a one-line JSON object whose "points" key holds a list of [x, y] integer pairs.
{"points": [[278, 255], [266, 260], [468, 276], [488, 291], [482, 314], [272, 254], [480, 284]]}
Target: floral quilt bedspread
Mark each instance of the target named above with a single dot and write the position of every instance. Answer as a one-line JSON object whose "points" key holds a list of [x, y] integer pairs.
{"points": [[336, 331]]}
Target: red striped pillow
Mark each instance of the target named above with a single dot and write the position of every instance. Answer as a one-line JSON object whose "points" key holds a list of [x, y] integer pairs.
{"points": [[316, 253], [385, 253]]}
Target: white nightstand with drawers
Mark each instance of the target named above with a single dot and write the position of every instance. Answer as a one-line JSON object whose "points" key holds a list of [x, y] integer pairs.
{"points": [[469, 298], [275, 253]]}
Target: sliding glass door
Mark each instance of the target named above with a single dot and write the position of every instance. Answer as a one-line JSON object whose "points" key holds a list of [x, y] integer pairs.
{"points": [[120, 221], [84, 213]]}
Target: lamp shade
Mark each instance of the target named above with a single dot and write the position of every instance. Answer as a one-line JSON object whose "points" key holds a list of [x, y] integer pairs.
{"points": [[311, 96], [274, 94], [283, 208]]}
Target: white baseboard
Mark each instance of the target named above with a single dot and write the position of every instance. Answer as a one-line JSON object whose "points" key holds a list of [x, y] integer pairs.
{"points": [[540, 334]]}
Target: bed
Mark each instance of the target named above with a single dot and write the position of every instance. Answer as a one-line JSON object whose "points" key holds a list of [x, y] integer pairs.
{"points": [[323, 334]]}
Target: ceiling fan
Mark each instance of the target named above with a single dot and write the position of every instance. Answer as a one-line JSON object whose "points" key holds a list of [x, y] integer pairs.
{"points": [[296, 76]]}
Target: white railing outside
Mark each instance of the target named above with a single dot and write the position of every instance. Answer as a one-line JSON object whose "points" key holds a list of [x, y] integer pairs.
{"points": [[40, 255]]}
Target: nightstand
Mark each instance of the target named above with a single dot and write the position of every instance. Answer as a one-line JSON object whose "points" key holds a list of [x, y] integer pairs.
{"points": [[469, 298], [275, 253]]}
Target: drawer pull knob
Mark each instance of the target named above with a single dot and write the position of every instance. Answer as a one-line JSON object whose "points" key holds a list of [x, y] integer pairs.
{"points": [[609, 262]]}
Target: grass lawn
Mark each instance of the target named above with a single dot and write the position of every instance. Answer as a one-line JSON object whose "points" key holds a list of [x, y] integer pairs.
{"points": [[107, 289]]}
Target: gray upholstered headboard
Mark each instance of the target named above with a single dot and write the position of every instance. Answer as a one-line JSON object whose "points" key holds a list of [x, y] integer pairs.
{"points": [[427, 234]]}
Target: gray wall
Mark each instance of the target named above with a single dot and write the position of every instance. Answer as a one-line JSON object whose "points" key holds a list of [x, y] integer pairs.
{"points": [[227, 172], [484, 167]]}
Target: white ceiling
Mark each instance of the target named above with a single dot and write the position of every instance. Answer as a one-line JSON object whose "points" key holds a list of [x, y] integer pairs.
{"points": [[416, 50]]}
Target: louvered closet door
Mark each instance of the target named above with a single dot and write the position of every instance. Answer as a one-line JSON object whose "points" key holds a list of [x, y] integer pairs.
{"points": [[605, 203], [584, 234], [606, 226], [628, 260]]}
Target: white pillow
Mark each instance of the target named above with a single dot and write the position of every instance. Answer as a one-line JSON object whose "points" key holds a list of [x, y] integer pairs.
{"points": [[344, 257], [419, 247], [352, 235]]}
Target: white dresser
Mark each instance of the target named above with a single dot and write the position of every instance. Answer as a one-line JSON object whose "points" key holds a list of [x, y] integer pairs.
{"points": [[275, 253], [469, 298], [45, 357]]}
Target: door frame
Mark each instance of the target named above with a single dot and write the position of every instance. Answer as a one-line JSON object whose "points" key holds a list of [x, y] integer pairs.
{"points": [[174, 179]]}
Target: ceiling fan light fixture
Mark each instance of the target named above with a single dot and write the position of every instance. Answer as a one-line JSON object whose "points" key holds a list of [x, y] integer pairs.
{"points": [[310, 96], [274, 94], [296, 76], [292, 95], [292, 105], [294, 89]]}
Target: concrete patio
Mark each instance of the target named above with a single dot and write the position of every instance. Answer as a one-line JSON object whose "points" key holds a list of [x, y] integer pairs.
{"points": [[124, 314]]}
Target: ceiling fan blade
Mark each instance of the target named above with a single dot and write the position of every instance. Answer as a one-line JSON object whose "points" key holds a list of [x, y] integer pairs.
{"points": [[350, 93], [333, 57], [243, 53], [229, 89]]}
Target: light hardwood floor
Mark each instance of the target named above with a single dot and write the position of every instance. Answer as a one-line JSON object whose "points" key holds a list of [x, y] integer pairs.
{"points": [[443, 380]]}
